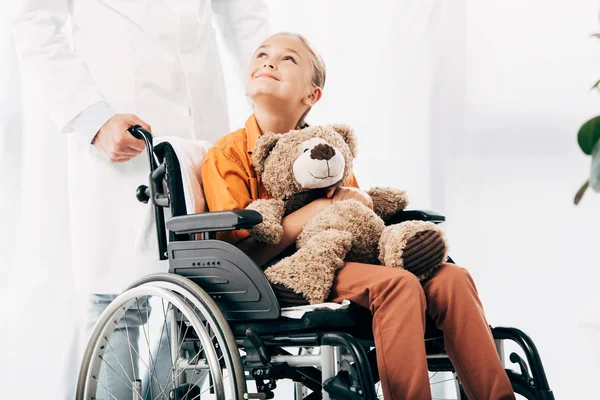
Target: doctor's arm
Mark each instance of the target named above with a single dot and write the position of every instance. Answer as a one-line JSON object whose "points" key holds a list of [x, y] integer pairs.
{"points": [[244, 24], [63, 80]]}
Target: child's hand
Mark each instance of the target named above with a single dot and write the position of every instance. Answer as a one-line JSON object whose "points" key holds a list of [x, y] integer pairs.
{"points": [[349, 193]]}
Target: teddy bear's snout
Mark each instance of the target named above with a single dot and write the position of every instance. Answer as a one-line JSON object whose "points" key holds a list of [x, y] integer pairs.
{"points": [[322, 151]]}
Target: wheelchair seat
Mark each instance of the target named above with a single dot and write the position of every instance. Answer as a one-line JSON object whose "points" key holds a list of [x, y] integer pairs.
{"points": [[345, 320]]}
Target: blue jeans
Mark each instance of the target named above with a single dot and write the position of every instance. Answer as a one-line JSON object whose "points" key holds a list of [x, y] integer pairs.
{"points": [[123, 352]]}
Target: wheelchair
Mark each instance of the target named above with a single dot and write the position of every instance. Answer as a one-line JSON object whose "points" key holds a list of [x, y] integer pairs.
{"points": [[222, 329]]}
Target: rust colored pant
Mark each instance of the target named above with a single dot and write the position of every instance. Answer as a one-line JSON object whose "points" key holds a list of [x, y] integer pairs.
{"points": [[399, 302]]}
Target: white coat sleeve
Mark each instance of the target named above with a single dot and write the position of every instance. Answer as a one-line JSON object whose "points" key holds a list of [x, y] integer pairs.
{"points": [[48, 60], [244, 24]]}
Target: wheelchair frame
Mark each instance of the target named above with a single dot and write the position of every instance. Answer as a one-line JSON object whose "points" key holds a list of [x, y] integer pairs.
{"points": [[244, 297]]}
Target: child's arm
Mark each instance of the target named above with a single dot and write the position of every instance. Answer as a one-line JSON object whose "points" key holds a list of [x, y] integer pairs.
{"points": [[262, 253], [292, 224]]}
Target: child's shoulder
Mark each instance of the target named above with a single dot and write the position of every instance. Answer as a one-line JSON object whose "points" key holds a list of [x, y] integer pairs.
{"points": [[235, 139], [233, 146]]}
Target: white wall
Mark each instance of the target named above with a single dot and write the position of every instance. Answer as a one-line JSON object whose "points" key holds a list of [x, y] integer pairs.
{"points": [[512, 173]]}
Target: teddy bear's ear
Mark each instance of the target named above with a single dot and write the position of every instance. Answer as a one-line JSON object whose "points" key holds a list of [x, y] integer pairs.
{"points": [[262, 149], [348, 135]]}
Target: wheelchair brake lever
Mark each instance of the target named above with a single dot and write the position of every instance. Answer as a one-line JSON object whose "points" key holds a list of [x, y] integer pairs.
{"points": [[515, 358], [259, 345]]}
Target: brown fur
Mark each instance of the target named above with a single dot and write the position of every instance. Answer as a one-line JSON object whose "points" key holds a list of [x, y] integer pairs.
{"points": [[346, 230], [310, 270], [348, 134], [274, 155], [270, 230], [349, 216], [422, 241], [262, 149], [388, 201]]}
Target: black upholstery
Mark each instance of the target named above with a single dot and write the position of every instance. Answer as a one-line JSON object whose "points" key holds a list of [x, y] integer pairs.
{"points": [[214, 221], [165, 153], [229, 276], [342, 320], [417, 215]]}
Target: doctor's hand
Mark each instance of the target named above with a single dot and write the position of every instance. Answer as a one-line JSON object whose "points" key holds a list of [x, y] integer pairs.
{"points": [[115, 142], [349, 193]]}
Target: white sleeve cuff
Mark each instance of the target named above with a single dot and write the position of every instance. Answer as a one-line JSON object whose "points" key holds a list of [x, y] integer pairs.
{"points": [[87, 124]]}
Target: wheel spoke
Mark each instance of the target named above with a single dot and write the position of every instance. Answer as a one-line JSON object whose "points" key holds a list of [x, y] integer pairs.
{"points": [[162, 330], [442, 381], [180, 373], [208, 388], [174, 380], [117, 358], [128, 384], [142, 360], [153, 364], [128, 340], [147, 343], [105, 388]]}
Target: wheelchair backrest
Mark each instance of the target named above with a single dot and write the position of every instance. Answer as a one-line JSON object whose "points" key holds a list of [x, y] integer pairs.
{"points": [[233, 280]]}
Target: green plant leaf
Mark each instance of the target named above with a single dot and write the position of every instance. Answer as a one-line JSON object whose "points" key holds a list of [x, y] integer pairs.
{"points": [[596, 85], [588, 135]]}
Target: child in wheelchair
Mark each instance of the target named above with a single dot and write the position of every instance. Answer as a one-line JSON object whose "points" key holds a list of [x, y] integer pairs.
{"points": [[285, 80]]}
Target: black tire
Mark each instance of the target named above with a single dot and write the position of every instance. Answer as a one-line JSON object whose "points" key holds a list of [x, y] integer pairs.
{"points": [[194, 303]]}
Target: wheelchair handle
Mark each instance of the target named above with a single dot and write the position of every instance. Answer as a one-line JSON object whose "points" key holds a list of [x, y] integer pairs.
{"points": [[157, 172], [155, 191], [140, 133]]}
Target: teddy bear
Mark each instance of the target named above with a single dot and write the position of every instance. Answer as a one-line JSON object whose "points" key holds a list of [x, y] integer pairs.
{"points": [[300, 166]]}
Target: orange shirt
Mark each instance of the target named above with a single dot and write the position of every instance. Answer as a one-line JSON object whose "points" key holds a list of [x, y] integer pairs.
{"points": [[229, 179]]}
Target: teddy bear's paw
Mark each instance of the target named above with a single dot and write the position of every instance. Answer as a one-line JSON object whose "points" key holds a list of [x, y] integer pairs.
{"points": [[417, 246], [270, 230], [331, 244], [267, 232], [388, 201], [300, 274], [310, 271]]}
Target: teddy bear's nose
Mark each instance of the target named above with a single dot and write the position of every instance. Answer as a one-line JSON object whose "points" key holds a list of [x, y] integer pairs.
{"points": [[322, 151]]}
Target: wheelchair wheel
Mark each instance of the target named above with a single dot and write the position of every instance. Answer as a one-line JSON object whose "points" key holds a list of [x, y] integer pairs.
{"points": [[163, 338]]}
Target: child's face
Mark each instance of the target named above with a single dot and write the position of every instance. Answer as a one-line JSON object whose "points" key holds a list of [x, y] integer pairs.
{"points": [[281, 69]]}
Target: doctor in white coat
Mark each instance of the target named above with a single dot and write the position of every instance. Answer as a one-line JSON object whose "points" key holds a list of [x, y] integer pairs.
{"points": [[104, 65], [100, 66]]}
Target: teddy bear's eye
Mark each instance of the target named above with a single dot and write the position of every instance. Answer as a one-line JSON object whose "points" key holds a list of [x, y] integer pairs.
{"points": [[305, 150]]}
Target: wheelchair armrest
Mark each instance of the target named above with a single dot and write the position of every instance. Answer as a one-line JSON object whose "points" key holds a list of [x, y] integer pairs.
{"points": [[419, 215], [214, 221]]}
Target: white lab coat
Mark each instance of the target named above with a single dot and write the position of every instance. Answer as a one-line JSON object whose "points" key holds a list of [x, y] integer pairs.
{"points": [[157, 59]]}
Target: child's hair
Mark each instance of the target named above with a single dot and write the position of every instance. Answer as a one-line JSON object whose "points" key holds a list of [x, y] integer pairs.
{"points": [[319, 72]]}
